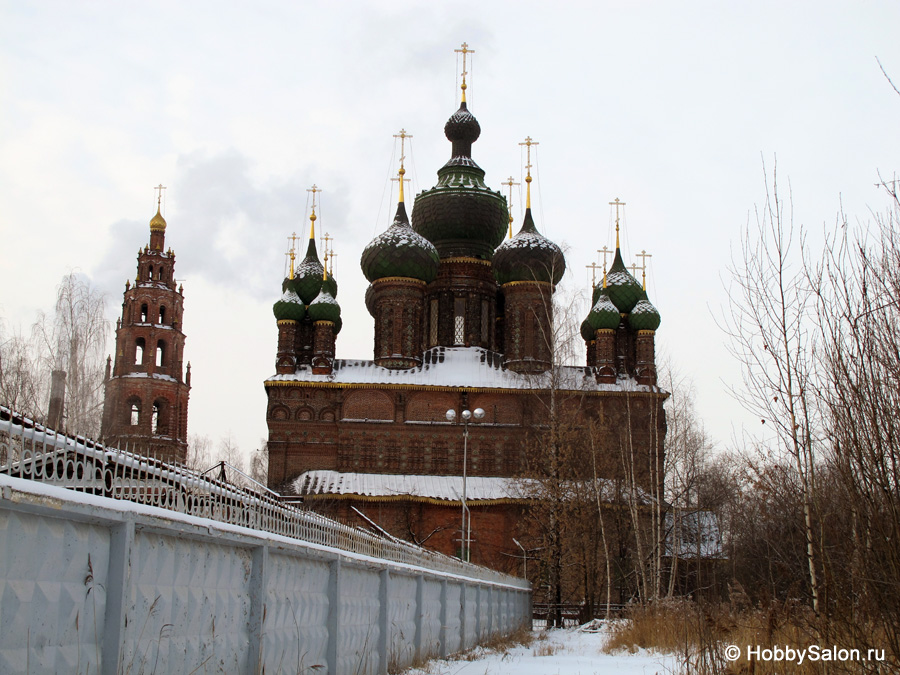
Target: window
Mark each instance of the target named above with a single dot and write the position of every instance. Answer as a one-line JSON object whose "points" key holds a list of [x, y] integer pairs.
{"points": [[162, 314], [433, 324], [160, 353], [150, 276], [459, 321], [135, 414], [139, 352], [154, 420], [144, 313]]}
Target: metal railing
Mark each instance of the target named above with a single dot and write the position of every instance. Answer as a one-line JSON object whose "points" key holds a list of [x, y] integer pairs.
{"points": [[29, 450]]}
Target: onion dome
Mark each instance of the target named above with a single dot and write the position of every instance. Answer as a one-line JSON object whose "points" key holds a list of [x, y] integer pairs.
{"points": [[325, 308], [370, 300], [460, 215], [644, 316], [157, 222], [586, 331], [290, 307], [330, 283], [307, 281], [623, 289], [604, 314], [528, 256], [400, 252]]}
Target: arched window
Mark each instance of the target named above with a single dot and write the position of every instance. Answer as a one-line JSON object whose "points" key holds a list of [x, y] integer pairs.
{"points": [[162, 314], [139, 351], [150, 276], [144, 313], [459, 321], [134, 411], [159, 422], [160, 353]]}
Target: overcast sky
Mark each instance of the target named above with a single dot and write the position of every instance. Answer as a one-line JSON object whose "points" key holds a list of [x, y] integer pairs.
{"points": [[239, 108]]}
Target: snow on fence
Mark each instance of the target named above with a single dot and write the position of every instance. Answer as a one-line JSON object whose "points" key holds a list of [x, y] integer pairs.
{"points": [[230, 583]]}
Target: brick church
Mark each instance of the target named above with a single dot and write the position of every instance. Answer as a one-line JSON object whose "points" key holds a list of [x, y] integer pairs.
{"points": [[463, 322], [146, 403]]}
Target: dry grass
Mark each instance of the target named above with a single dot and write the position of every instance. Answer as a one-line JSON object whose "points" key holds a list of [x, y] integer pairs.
{"points": [[699, 635], [498, 644], [545, 649]]}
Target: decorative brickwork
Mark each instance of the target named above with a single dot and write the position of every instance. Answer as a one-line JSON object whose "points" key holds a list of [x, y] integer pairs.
{"points": [[454, 338], [529, 321], [146, 402]]}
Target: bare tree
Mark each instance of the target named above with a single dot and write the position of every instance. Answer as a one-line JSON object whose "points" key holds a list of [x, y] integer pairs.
{"points": [[771, 334], [73, 340], [857, 288], [21, 387]]}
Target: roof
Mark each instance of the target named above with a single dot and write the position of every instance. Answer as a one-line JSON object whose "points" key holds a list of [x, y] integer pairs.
{"points": [[379, 486], [440, 488], [459, 367]]}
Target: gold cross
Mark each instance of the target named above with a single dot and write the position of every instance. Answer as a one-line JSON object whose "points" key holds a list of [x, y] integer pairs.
{"points": [[644, 255], [634, 268], [464, 51], [312, 216], [528, 143], [605, 251], [326, 243], [509, 183], [331, 256], [314, 189], [593, 267], [291, 253], [402, 136], [617, 204], [159, 188]]}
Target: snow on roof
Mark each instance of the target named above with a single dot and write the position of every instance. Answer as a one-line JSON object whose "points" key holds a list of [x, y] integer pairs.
{"points": [[444, 488], [470, 367]]}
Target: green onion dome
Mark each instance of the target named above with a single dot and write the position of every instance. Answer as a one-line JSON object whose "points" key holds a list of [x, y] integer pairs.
{"points": [[528, 256], [623, 289], [586, 331], [331, 284], [400, 252], [307, 281], [370, 300], [325, 308], [290, 307], [460, 215], [604, 314], [644, 316]]}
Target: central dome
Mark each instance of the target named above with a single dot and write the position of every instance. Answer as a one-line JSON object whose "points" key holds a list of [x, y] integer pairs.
{"points": [[460, 215]]}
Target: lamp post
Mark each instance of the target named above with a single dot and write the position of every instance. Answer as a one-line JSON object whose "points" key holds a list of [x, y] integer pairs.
{"points": [[465, 532]]}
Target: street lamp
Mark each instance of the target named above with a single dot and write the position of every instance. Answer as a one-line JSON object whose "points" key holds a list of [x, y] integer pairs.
{"points": [[465, 532]]}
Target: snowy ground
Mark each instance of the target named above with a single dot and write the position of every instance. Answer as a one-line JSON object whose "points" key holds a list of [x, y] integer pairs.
{"points": [[569, 651]]}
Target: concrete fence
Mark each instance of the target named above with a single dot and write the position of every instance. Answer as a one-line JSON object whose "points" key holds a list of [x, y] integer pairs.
{"points": [[90, 584]]}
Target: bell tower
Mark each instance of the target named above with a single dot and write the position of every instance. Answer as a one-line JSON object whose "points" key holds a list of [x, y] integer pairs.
{"points": [[146, 403]]}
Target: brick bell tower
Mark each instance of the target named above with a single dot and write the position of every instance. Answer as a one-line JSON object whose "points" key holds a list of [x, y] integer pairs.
{"points": [[146, 403]]}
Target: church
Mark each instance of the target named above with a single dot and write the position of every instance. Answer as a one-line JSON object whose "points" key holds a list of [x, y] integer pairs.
{"points": [[431, 439]]}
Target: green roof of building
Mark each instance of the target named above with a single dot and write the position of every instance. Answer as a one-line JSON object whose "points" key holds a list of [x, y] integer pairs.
{"points": [[623, 289], [289, 307], [400, 252], [528, 256], [460, 215]]}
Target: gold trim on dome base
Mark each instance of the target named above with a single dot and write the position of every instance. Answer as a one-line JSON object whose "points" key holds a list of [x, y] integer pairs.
{"points": [[408, 280], [466, 259]]}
